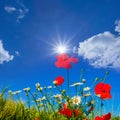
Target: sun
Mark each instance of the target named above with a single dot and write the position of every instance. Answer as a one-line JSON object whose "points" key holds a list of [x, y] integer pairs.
{"points": [[60, 47]]}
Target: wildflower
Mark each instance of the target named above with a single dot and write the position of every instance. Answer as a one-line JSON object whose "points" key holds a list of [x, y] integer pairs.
{"points": [[49, 87], [16, 92], [37, 85], [76, 100], [27, 89], [96, 79], [43, 98], [65, 105], [63, 91], [86, 89], [58, 96], [58, 81], [40, 89], [103, 90], [103, 117], [38, 100], [92, 102], [10, 92], [69, 112], [83, 80], [76, 84], [41, 104], [63, 61], [66, 112]]}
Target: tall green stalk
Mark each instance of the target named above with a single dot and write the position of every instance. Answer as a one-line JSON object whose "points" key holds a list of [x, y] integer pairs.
{"points": [[35, 103], [68, 80]]}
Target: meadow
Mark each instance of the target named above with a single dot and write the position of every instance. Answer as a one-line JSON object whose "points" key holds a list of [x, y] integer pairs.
{"points": [[44, 104]]}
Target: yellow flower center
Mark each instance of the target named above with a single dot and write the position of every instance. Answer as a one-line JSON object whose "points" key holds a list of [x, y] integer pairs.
{"points": [[76, 100]]}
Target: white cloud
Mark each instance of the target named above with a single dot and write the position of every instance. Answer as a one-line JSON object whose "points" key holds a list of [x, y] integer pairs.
{"points": [[21, 13], [101, 50], [9, 9], [19, 9], [117, 28], [4, 55]]}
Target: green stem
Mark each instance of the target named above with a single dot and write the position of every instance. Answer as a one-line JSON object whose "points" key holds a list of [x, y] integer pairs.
{"points": [[48, 101], [92, 115], [64, 96], [3, 92], [81, 73], [61, 87], [101, 106], [18, 97], [93, 84], [68, 82], [105, 76], [76, 90], [21, 106], [28, 102], [35, 102]]}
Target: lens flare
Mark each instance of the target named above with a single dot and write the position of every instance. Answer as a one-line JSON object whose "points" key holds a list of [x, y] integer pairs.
{"points": [[61, 47]]}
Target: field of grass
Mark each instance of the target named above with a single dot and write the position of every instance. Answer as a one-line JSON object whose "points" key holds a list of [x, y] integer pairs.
{"points": [[18, 110]]}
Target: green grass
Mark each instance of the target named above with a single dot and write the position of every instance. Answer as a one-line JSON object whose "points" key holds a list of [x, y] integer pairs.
{"points": [[16, 110], [46, 106]]}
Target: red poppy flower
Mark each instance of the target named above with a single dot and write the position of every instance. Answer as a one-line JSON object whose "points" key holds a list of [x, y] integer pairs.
{"points": [[103, 90], [68, 112], [106, 116], [103, 117], [58, 81], [63, 61]]}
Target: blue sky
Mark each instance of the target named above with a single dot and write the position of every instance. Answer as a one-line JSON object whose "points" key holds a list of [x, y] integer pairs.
{"points": [[28, 27]]}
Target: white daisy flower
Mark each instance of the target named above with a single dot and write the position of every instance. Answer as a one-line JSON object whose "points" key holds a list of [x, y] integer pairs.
{"points": [[40, 89], [86, 89], [76, 84], [16, 92], [37, 85], [43, 98], [76, 100], [49, 87], [83, 80], [27, 89]]}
